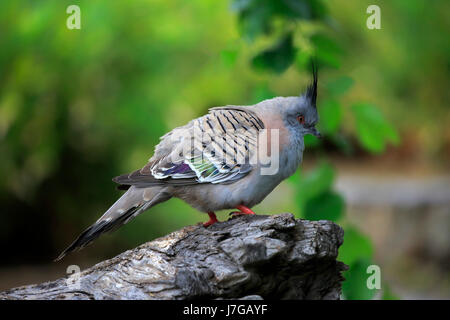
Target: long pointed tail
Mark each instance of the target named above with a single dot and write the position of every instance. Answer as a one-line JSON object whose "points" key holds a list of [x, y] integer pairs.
{"points": [[132, 203]]}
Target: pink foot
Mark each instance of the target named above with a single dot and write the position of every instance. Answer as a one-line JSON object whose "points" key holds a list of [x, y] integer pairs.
{"points": [[212, 219], [242, 210]]}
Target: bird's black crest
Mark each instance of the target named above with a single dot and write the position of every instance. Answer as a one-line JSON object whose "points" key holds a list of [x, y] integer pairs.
{"points": [[311, 91]]}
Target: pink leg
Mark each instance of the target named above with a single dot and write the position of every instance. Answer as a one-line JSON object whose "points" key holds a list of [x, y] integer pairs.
{"points": [[242, 210], [212, 219]]}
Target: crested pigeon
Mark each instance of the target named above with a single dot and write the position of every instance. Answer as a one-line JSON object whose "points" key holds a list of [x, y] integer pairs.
{"points": [[215, 161]]}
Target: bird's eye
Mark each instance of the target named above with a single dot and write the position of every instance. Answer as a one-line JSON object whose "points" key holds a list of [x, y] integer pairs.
{"points": [[301, 119]]}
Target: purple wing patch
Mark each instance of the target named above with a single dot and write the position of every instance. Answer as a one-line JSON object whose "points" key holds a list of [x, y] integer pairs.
{"points": [[178, 168]]}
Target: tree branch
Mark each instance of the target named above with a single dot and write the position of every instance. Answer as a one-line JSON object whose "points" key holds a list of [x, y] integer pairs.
{"points": [[272, 257]]}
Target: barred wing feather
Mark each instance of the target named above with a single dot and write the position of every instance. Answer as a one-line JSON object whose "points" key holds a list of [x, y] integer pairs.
{"points": [[215, 148]]}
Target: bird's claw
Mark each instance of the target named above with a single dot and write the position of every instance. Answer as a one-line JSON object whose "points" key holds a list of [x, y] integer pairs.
{"points": [[243, 210], [207, 224], [238, 213], [212, 219]]}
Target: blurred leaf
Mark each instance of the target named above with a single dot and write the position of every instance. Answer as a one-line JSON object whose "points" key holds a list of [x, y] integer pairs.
{"points": [[303, 60], [326, 206], [303, 9], [261, 93], [355, 285], [340, 85], [388, 294], [343, 143], [229, 57], [277, 58], [254, 21], [330, 115], [311, 141], [326, 50], [372, 129], [295, 177], [240, 5], [294, 9], [313, 184], [355, 246], [318, 9]]}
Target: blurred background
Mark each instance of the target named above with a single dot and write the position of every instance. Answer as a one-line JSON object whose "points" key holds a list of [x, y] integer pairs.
{"points": [[80, 106]]}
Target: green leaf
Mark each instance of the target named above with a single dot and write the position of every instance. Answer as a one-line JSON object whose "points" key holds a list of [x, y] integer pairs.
{"points": [[388, 294], [343, 143], [340, 85], [355, 246], [254, 20], [313, 184], [326, 206], [307, 9], [318, 9], [261, 93], [355, 285], [327, 51], [229, 57], [373, 131], [303, 60], [311, 141], [240, 5], [330, 115], [294, 9], [277, 58], [295, 178]]}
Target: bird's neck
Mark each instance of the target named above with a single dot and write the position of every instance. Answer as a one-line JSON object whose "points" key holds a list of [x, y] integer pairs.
{"points": [[292, 155]]}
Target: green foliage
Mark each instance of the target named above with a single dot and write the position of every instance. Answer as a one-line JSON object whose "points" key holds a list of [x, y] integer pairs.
{"points": [[330, 115], [256, 17], [356, 246], [314, 183], [355, 284], [388, 294], [261, 93], [328, 205], [340, 85], [315, 197], [373, 131], [311, 141], [229, 57], [278, 58], [327, 52]]}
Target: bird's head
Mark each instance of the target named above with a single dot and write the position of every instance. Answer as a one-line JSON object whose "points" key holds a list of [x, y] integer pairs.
{"points": [[300, 113]]}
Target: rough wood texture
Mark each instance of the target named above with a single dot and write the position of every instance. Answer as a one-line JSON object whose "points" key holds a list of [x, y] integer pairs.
{"points": [[269, 257]]}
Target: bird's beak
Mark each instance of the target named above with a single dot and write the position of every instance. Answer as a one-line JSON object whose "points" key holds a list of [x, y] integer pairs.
{"points": [[315, 132]]}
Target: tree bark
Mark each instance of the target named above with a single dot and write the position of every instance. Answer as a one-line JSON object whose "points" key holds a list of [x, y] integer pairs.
{"points": [[251, 256]]}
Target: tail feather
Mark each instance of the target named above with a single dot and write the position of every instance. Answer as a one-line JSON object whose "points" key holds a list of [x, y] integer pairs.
{"points": [[94, 231], [132, 203]]}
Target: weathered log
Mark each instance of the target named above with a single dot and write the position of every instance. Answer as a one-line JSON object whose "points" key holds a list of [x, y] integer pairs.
{"points": [[269, 257]]}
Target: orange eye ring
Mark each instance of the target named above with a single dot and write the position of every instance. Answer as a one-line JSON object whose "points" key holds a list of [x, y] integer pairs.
{"points": [[301, 119]]}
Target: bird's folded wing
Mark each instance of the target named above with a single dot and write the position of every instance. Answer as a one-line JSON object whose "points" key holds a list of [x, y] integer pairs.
{"points": [[215, 148]]}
